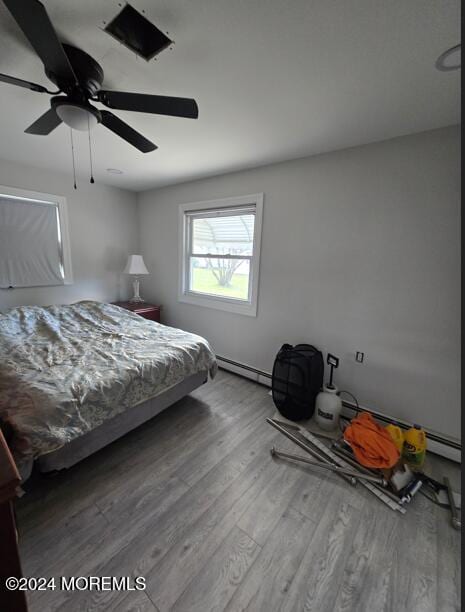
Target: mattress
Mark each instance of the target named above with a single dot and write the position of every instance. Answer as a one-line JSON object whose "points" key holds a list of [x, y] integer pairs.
{"points": [[65, 370], [116, 427]]}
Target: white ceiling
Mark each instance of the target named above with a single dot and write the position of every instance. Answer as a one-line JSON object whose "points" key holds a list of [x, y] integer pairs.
{"points": [[274, 80]]}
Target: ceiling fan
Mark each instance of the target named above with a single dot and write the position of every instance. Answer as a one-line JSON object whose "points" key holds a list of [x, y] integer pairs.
{"points": [[79, 78]]}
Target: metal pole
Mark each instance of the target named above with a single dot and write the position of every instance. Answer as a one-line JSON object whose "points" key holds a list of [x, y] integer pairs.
{"points": [[328, 466], [347, 457], [339, 450], [307, 448], [455, 519]]}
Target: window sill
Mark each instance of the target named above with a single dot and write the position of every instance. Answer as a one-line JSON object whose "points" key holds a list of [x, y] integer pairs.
{"points": [[244, 308]]}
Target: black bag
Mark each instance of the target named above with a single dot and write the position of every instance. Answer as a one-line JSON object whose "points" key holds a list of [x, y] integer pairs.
{"points": [[297, 380]]}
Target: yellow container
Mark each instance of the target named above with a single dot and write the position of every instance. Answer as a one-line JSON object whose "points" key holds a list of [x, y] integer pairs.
{"points": [[414, 449], [397, 436]]}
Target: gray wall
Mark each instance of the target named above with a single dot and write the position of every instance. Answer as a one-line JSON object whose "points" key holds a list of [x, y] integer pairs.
{"points": [[360, 252], [103, 231]]}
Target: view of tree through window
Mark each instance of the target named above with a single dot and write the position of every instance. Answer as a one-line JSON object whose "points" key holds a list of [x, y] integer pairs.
{"points": [[221, 250]]}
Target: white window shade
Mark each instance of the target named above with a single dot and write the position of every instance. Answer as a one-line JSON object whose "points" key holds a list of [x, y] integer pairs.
{"points": [[31, 252]]}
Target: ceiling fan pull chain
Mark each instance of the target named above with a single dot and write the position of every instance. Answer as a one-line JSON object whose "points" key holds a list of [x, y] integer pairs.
{"points": [[90, 153], [72, 156]]}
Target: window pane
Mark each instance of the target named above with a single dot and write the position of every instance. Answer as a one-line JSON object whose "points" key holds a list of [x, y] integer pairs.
{"points": [[221, 277], [232, 235]]}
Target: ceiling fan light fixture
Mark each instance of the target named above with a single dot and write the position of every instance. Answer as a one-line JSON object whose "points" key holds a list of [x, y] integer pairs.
{"points": [[77, 116]]}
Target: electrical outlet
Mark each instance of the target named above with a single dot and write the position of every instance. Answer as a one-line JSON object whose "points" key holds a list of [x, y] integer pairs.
{"points": [[359, 357]]}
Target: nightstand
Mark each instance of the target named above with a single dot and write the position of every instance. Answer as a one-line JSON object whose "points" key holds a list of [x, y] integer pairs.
{"points": [[148, 311]]}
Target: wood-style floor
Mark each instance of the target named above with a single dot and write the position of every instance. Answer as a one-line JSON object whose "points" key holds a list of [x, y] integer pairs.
{"points": [[193, 502]]}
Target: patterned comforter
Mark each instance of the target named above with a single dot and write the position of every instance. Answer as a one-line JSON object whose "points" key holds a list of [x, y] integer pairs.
{"points": [[64, 370]]}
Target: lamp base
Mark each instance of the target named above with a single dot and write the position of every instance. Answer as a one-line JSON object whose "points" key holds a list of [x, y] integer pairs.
{"points": [[136, 297]]}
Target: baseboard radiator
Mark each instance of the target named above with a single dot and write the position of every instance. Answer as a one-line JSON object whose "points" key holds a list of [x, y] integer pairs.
{"points": [[437, 443]]}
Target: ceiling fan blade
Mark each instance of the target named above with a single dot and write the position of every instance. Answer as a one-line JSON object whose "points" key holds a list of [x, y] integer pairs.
{"points": [[145, 103], [33, 20], [44, 124], [5, 78], [122, 129]]}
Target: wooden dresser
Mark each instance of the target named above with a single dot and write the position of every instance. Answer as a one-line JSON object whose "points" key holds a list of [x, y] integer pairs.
{"points": [[148, 311]]}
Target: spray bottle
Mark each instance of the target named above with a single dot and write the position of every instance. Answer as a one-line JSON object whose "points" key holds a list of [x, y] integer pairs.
{"points": [[328, 403]]}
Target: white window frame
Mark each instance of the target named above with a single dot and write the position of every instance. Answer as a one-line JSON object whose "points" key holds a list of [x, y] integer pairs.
{"points": [[212, 301], [60, 201]]}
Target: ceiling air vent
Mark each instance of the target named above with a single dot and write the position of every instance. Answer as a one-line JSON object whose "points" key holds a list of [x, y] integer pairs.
{"points": [[136, 32]]}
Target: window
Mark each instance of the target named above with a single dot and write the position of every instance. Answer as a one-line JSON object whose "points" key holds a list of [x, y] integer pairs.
{"points": [[34, 243], [220, 251]]}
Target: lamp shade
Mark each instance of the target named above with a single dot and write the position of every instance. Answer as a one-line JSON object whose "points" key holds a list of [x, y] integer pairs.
{"points": [[135, 265]]}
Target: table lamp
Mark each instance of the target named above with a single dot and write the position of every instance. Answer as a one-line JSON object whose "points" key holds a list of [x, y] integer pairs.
{"points": [[135, 267]]}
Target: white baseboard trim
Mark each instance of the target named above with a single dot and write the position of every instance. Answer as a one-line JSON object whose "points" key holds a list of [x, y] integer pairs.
{"points": [[437, 443], [246, 371]]}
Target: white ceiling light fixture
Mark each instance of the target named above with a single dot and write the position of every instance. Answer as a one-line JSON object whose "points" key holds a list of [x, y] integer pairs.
{"points": [[114, 171], [77, 116], [450, 59]]}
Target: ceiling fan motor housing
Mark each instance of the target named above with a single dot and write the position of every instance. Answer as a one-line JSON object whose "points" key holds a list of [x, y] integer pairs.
{"points": [[89, 73]]}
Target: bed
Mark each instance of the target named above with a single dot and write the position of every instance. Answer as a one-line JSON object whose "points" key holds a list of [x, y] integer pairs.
{"points": [[74, 378]]}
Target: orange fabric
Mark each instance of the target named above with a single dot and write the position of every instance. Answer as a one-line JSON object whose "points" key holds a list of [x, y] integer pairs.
{"points": [[372, 445]]}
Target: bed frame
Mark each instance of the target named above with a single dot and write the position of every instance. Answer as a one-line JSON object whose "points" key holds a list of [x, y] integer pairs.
{"points": [[114, 428]]}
